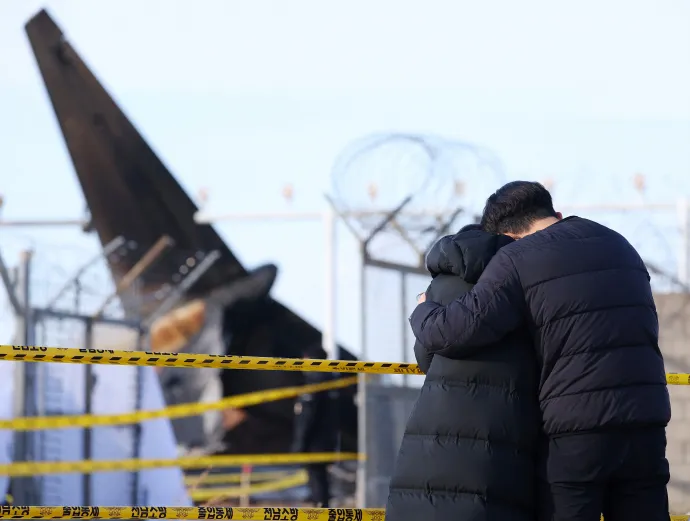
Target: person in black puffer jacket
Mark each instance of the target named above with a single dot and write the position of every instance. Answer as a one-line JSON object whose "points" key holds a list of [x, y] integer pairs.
{"points": [[585, 295], [316, 429], [469, 449]]}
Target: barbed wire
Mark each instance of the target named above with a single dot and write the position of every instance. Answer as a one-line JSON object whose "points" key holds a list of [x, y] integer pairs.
{"points": [[441, 178], [654, 233]]}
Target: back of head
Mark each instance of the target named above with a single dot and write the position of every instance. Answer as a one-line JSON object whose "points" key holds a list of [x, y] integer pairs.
{"points": [[465, 254], [515, 207]]}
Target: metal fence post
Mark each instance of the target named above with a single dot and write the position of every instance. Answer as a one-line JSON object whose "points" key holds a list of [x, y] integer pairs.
{"points": [[25, 490], [89, 384], [362, 478]]}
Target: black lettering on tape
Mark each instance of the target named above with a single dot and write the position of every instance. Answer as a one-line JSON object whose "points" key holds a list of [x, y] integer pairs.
{"points": [[80, 512], [281, 514], [344, 514], [215, 513], [15, 512], [150, 512]]}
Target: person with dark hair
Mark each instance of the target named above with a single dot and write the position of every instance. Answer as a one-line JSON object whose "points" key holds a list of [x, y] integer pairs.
{"points": [[516, 207], [470, 447], [316, 430], [584, 294]]}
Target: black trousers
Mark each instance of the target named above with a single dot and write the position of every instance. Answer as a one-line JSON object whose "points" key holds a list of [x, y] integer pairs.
{"points": [[621, 474], [318, 484]]}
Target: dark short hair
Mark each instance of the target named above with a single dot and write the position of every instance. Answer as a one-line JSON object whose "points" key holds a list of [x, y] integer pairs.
{"points": [[514, 207]]}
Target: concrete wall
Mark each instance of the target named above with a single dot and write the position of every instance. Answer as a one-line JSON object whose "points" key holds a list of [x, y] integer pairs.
{"points": [[674, 325]]}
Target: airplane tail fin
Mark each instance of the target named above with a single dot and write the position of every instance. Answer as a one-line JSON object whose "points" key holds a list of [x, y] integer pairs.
{"points": [[128, 189]]}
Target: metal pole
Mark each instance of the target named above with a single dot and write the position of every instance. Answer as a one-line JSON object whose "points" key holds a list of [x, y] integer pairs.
{"points": [[361, 488], [32, 372], [330, 289], [24, 490], [684, 253], [9, 287], [89, 383], [40, 437], [40, 223], [139, 393], [77, 295], [405, 327], [207, 218]]}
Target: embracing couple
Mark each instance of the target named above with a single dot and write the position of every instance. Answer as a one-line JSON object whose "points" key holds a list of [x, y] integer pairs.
{"points": [[545, 395]]}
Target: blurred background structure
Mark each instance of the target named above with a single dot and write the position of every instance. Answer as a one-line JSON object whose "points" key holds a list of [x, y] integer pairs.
{"points": [[313, 169]]}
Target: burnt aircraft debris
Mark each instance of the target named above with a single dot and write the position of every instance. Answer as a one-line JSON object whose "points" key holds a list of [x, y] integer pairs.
{"points": [[130, 193]]}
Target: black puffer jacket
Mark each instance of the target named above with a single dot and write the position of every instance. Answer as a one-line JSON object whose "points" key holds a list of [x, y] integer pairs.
{"points": [[468, 453], [584, 293]]}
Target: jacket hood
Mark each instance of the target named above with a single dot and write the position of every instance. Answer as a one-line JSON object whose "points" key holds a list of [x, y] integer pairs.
{"points": [[465, 254]]}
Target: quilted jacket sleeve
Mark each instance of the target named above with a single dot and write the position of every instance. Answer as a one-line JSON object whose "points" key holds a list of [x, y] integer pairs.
{"points": [[423, 357], [495, 307]]}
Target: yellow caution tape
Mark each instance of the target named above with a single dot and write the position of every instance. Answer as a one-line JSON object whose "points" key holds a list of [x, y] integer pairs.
{"points": [[678, 378], [112, 357], [672, 518], [222, 479], [30, 468], [173, 411], [244, 513], [295, 480]]}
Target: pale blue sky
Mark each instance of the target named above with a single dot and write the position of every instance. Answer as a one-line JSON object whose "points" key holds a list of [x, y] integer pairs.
{"points": [[244, 96]]}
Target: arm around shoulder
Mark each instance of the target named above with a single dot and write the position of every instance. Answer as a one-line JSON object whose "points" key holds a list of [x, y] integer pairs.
{"points": [[494, 308]]}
